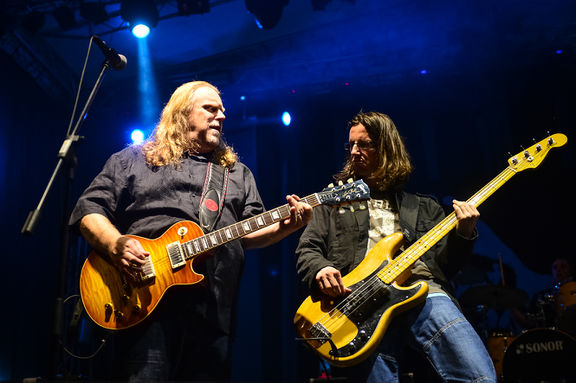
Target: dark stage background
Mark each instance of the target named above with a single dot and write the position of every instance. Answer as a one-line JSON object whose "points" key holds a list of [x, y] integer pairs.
{"points": [[468, 83]]}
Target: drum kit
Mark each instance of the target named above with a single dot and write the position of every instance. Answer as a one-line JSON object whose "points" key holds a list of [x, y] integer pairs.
{"points": [[546, 351]]}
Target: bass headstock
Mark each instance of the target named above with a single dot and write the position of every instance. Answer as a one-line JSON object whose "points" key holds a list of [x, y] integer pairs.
{"points": [[534, 155]]}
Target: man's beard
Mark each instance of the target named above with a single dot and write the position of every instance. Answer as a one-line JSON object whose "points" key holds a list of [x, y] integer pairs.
{"points": [[193, 145]]}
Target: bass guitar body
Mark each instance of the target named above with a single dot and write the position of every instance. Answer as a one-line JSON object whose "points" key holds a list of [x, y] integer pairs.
{"points": [[346, 331], [115, 301]]}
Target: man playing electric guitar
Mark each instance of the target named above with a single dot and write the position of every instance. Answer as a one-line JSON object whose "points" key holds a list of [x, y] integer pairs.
{"points": [[184, 172], [337, 240]]}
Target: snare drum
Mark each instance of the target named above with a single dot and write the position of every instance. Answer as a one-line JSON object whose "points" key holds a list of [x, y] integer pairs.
{"points": [[540, 355]]}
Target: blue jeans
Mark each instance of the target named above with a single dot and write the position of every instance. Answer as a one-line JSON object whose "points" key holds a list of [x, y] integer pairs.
{"points": [[438, 331]]}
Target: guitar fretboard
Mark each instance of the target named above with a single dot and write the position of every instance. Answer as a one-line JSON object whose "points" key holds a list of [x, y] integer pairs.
{"points": [[242, 228], [405, 260]]}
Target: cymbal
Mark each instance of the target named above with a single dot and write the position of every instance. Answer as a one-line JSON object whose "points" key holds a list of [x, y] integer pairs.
{"points": [[493, 296]]}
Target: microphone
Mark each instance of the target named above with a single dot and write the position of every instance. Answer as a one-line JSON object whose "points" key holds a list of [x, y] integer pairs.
{"points": [[116, 60]]}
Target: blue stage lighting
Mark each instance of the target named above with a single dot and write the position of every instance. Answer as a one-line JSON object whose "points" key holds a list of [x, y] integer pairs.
{"points": [[286, 118], [137, 136], [147, 90], [141, 31], [137, 13]]}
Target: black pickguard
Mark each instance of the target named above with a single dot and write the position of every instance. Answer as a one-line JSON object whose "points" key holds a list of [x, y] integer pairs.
{"points": [[369, 300]]}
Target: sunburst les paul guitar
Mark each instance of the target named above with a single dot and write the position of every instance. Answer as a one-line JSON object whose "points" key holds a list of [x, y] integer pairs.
{"points": [[344, 332], [116, 302]]}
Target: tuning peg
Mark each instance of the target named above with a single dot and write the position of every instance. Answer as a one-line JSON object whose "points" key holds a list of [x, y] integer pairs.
{"points": [[340, 183], [331, 185], [350, 180]]}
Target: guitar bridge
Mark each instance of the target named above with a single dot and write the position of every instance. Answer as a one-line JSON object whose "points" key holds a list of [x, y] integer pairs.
{"points": [[318, 331], [148, 271], [175, 254]]}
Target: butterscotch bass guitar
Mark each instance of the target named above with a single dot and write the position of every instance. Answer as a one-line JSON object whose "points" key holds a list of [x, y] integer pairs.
{"points": [[115, 301], [346, 331]]}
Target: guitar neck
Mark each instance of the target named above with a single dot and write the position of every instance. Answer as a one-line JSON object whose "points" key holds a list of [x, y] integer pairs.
{"points": [[240, 229], [405, 260]]}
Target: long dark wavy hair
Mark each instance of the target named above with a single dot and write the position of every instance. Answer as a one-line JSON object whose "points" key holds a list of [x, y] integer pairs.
{"points": [[394, 166]]}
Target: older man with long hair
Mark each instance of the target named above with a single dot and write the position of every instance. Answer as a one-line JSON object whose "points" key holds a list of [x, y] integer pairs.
{"points": [[145, 189]]}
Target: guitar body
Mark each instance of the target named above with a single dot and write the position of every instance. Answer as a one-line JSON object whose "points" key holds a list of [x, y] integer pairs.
{"points": [[114, 301], [355, 329]]}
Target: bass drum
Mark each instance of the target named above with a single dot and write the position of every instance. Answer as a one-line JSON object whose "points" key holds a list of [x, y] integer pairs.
{"points": [[540, 355]]}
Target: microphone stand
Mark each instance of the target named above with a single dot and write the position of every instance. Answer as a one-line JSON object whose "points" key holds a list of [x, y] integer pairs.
{"points": [[66, 157]]}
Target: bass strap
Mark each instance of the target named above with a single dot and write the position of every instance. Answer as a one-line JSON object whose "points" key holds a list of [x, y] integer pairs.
{"points": [[409, 216], [213, 195]]}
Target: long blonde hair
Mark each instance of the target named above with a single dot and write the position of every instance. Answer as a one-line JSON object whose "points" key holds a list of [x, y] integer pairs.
{"points": [[169, 141], [394, 166]]}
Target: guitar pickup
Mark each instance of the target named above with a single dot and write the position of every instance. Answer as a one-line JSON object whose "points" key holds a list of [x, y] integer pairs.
{"points": [[175, 254]]}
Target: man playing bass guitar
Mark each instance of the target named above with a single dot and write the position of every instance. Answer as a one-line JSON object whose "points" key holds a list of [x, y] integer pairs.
{"points": [[337, 240]]}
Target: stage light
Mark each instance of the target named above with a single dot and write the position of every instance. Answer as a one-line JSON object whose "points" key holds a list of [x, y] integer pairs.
{"points": [[137, 136], [267, 13], [138, 13], [141, 31], [286, 118]]}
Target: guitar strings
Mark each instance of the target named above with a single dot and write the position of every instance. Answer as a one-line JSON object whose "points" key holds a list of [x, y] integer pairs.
{"points": [[284, 210], [393, 269], [387, 275], [190, 252]]}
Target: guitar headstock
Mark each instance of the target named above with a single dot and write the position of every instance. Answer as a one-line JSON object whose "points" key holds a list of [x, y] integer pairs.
{"points": [[352, 191], [534, 155]]}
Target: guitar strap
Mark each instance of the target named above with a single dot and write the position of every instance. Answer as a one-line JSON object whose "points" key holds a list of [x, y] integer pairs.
{"points": [[409, 215], [213, 195]]}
